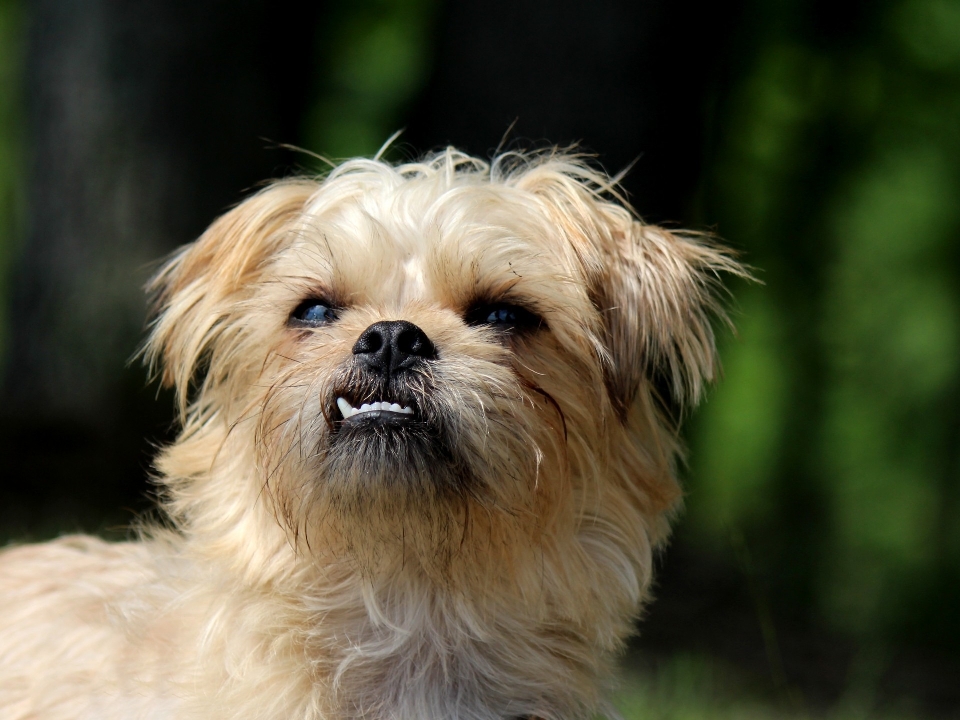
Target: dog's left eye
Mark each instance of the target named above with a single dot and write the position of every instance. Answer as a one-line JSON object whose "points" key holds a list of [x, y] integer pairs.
{"points": [[503, 316], [311, 313]]}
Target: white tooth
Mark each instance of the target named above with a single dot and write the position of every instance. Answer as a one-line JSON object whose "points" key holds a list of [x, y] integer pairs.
{"points": [[345, 408]]}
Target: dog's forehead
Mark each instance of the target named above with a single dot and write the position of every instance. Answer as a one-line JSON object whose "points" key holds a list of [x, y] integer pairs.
{"points": [[414, 277], [443, 248]]}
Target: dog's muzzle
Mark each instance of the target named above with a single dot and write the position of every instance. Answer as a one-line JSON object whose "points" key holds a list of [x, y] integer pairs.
{"points": [[386, 352]]}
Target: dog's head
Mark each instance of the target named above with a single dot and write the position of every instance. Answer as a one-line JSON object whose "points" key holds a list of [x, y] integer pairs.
{"points": [[439, 360]]}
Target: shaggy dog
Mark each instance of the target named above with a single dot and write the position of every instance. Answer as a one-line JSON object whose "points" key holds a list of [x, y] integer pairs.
{"points": [[423, 466]]}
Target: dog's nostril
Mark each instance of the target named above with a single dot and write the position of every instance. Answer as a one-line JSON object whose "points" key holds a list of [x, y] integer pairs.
{"points": [[413, 341], [370, 342]]}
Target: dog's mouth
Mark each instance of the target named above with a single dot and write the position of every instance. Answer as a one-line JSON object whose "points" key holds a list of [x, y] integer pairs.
{"points": [[376, 411], [395, 432]]}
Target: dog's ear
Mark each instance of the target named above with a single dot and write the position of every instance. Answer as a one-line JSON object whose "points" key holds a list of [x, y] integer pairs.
{"points": [[659, 293], [194, 292]]}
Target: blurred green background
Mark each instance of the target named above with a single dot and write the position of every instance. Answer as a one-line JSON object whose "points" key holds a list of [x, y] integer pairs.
{"points": [[816, 571]]}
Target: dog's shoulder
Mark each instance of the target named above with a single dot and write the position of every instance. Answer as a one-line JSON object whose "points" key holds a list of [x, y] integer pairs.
{"points": [[45, 568], [62, 627]]}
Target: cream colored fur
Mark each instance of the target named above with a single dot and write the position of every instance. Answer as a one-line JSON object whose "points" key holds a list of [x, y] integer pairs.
{"points": [[293, 580]]}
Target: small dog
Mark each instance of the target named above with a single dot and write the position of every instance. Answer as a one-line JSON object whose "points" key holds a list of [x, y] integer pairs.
{"points": [[423, 466]]}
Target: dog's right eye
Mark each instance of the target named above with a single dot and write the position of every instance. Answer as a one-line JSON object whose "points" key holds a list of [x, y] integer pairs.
{"points": [[313, 313], [503, 316]]}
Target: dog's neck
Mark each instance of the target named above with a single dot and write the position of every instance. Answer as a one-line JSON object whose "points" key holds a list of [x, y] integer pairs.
{"points": [[411, 649], [397, 647], [401, 643]]}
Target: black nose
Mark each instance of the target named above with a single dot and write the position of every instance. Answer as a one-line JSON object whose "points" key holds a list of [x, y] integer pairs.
{"points": [[392, 345]]}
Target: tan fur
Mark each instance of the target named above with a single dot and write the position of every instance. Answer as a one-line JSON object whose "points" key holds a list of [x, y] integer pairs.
{"points": [[300, 581]]}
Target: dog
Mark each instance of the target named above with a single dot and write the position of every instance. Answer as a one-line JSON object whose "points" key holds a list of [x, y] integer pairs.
{"points": [[426, 457]]}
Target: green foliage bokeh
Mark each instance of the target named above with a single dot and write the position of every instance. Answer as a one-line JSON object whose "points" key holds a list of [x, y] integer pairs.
{"points": [[833, 441], [11, 170]]}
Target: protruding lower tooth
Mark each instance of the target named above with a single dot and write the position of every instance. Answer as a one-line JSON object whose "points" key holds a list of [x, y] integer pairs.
{"points": [[365, 408], [407, 411], [345, 408], [393, 408]]}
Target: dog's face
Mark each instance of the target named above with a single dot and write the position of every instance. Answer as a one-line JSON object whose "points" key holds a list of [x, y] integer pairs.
{"points": [[424, 362]]}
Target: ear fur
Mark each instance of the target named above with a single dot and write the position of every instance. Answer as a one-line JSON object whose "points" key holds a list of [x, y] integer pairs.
{"points": [[659, 294], [193, 293]]}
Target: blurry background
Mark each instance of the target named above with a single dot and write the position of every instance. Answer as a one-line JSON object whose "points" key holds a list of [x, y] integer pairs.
{"points": [[816, 571]]}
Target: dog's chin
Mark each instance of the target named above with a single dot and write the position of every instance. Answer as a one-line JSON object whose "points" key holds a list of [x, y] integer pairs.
{"points": [[393, 458], [391, 488]]}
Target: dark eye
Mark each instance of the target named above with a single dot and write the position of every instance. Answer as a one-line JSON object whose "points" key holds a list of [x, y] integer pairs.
{"points": [[503, 316], [312, 313]]}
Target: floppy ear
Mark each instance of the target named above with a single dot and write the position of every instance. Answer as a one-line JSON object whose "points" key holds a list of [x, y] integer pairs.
{"points": [[193, 294], [659, 293]]}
